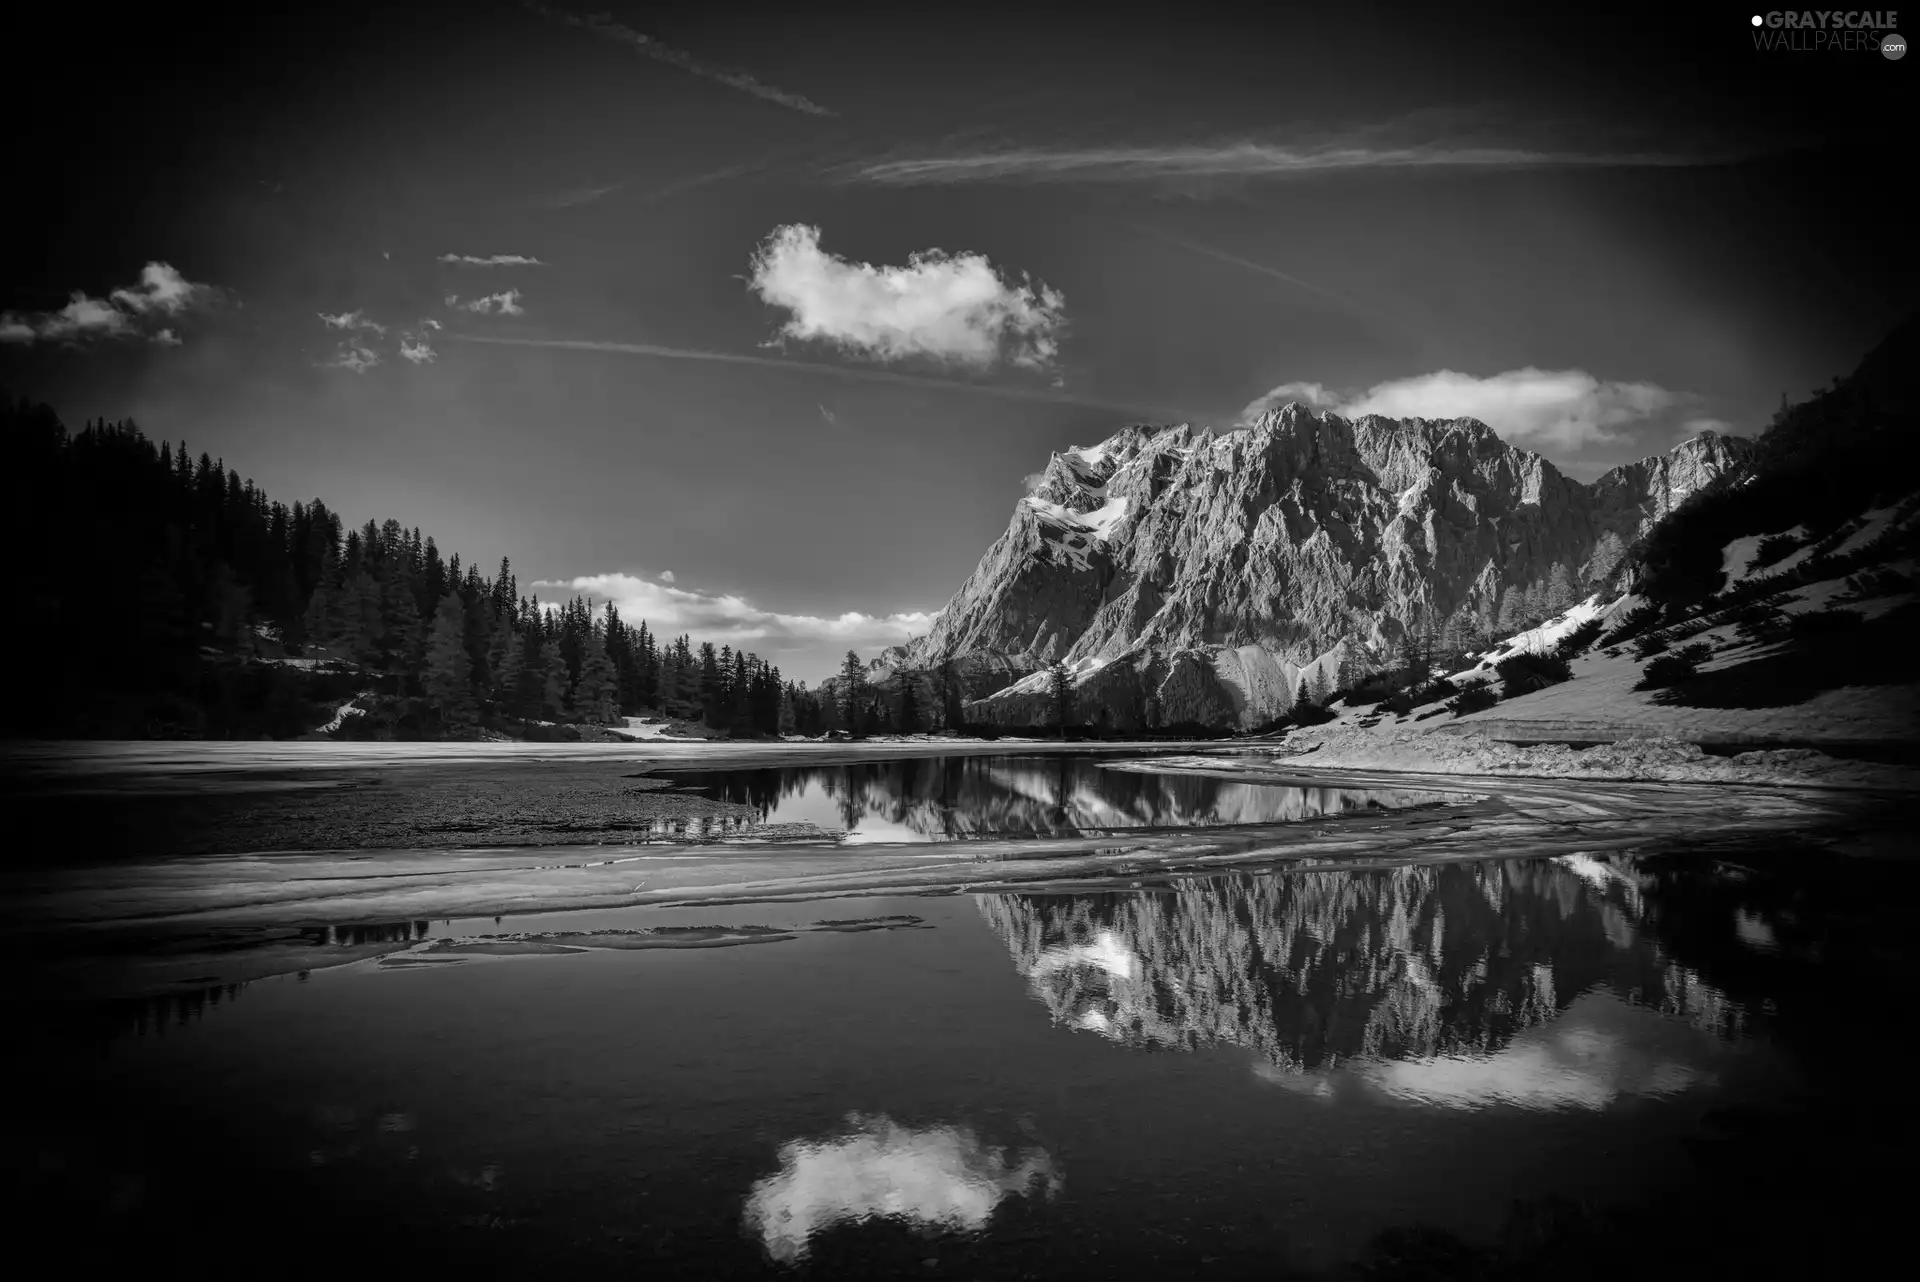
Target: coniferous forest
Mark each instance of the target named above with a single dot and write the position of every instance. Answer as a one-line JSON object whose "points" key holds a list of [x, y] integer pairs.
{"points": [[164, 597]]}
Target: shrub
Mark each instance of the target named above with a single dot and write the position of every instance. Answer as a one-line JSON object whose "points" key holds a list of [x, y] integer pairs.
{"points": [[1524, 673], [1823, 623], [1477, 697], [1650, 644], [1432, 692], [1580, 640], [1308, 713], [1771, 549], [1634, 622], [1372, 690], [1673, 668], [1397, 704]]}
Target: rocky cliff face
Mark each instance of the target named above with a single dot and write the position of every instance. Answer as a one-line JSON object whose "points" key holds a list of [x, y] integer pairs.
{"points": [[1186, 576]]}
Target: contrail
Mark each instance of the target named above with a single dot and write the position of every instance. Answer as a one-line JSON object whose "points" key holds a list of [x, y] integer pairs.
{"points": [[854, 372], [605, 27], [1221, 255]]}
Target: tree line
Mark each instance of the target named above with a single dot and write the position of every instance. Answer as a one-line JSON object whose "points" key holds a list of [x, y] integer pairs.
{"points": [[160, 593]]}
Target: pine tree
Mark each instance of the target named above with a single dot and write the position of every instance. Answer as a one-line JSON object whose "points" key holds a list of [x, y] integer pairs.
{"points": [[853, 680], [1320, 691], [1060, 684], [597, 697], [787, 721], [909, 704], [554, 686], [446, 675]]}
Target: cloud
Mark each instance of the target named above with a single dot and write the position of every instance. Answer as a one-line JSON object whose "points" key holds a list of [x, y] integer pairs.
{"points": [[718, 617], [131, 311], [951, 307], [935, 1179], [353, 355], [827, 416], [417, 350], [1567, 409], [161, 289], [504, 303], [492, 260], [602, 25], [350, 321], [579, 196], [665, 576], [1443, 138]]}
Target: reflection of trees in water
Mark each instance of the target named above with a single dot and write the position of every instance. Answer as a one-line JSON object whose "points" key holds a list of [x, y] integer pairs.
{"points": [[1314, 968], [1040, 796]]}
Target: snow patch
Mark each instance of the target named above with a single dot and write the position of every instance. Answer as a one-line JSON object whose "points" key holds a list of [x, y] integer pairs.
{"points": [[1540, 640]]}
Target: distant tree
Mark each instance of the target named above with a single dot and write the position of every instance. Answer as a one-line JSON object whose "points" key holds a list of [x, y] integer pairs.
{"points": [[952, 696], [1060, 686], [1560, 593], [554, 686], [1507, 620], [447, 678], [853, 680], [1320, 690], [1154, 714], [909, 703], [597, 696], [788, 719], [1351, 669], [712, 702]]}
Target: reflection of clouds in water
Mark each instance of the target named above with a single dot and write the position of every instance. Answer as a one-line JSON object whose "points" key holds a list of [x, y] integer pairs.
{"points": [[1597, 1051], [1754, 931], [937, 1178]]}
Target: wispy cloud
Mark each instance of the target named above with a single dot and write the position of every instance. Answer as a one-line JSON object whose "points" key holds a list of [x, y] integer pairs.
{"points": [[132, 311], [606, 28], [504, 303], [353, 355], [857, 373], [1563, 409], [350, 321], [950, 307], [1462, 138], [729, 617], [356, 351], [492, 260], [1235, 260]]}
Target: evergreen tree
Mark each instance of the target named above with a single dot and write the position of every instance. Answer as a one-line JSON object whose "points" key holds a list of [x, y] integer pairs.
{"points": [[853, 680], [909, 704], [788, 720], [1320, 691], [446, 676], [1060, 687], [597, 697], [554, 686], [711, 686]]}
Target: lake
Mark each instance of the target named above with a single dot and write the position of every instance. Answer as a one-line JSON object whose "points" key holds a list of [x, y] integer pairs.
{"points": [[1581, 1065]]}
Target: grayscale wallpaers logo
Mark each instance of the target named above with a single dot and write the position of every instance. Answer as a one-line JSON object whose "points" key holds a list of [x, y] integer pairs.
{"points": [[1831, 31]]}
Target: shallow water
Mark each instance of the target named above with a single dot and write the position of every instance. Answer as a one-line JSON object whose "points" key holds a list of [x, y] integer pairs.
{"points": [[951, 798], [1412, 1070]]}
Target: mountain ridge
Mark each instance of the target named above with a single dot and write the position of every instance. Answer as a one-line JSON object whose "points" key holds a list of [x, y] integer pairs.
{"points": [[1209, 573]]}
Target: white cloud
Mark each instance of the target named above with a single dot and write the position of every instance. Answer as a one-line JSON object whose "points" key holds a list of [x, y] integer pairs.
{"points": [[504, 303], [1565, 409], [162, 288], [354, 355], [492, 260], [951, 307], [791, 641], [352, 320], [126, 312], [417, 350], [940, 1178]]}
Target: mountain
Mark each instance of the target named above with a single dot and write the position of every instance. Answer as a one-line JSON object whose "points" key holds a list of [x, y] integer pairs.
{"points": [[1186, 576]]}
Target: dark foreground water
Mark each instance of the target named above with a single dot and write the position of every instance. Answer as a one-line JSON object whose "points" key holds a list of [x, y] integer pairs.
{"points": [[1626, 1067]]}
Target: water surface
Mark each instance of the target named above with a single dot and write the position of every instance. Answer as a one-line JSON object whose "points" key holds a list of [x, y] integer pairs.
{"points": [[1500, 1067]]}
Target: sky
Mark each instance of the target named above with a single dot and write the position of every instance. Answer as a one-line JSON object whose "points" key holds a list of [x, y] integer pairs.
{"points": [[753, 319]]}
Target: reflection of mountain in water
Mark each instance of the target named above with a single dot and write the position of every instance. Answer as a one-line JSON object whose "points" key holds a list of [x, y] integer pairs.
{"points": [[951, 797], [937, 1178], [1316, 968]]}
